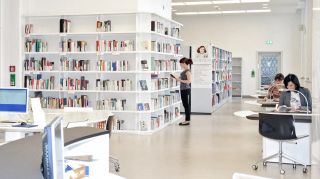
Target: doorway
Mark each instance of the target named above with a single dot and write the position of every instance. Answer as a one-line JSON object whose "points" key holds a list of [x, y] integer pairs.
{"points": [[269, 64]]}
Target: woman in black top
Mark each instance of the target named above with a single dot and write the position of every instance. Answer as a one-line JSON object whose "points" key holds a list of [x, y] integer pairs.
{"points": [[185, 88]]}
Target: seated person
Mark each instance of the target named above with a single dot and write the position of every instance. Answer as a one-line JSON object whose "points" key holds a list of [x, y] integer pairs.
{"points": [[273, 90], [293, 99]]}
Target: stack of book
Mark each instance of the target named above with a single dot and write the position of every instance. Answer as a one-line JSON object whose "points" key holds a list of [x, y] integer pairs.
{"points": [[67, 64], [36, 45], [114, 45], [103, 26], [112, 104], [38, 65], [74, 83], [103, 65], [73, 46], [114, 85], [38, 83]]}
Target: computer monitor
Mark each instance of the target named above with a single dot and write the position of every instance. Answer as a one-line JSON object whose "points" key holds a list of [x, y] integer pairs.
{"points": [[14, 100], [52, 148]]}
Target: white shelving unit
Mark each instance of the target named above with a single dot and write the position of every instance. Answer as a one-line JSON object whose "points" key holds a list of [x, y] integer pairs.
{"points": [[237, 77], [212, 74], [159, 47]]}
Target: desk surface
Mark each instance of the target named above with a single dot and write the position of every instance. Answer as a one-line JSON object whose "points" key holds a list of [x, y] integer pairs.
{"points": [[299, 117], [22, 158]]}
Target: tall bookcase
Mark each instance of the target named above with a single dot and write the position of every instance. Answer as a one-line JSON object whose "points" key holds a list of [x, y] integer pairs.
{"points": [[212, 74], [237, 77], [119, 63]]}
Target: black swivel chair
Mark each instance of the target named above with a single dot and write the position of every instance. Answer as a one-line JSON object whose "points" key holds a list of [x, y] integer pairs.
{"points": [[281, 129]]}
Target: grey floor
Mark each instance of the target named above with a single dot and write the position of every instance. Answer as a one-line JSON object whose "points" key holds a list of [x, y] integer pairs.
{"points": [[213, 147]]}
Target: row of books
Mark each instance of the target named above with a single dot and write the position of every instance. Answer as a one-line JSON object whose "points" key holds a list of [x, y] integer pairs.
{"points": [[60, 103], [43, 64], [74, 83], [112, 104], [143, 107], [220, 54], [38, 83], [160, 28], [165, 100], [103, 26], [73, 46], [159, 83], [114, 45], [122, 65], [67, 64], [221, 75], [164, 65], [114, 85], [28, 29], [160, 47], [64, 26], [36, 45]]}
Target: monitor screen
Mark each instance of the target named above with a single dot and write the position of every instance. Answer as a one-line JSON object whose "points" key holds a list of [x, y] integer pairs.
{"points": [[52, 148], [14, 100]]}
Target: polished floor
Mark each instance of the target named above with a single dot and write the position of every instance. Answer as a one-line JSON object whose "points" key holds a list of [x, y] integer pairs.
{"points": [[213, 147]]}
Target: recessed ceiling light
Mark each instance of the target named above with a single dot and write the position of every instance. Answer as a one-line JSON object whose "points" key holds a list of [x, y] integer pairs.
{"points": [[186, 13], [178, 4], [258, 11], [233, 12], [254, 1], [198, 3], [226, 2]]}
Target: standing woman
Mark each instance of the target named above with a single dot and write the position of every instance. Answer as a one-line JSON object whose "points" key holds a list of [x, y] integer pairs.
{"points": [[185, 80]]}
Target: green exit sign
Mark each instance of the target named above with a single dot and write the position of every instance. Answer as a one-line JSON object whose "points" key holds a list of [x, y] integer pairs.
{"points": [[269, 42]]}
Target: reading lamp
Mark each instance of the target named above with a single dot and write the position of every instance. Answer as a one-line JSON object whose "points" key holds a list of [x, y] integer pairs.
{"points": [[301, 94]]}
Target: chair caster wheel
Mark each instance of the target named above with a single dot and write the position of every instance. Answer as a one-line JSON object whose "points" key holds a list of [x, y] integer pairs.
{"points": [[282, 172], [264, 163], [294, 166], [254, 167], [305, 170]]}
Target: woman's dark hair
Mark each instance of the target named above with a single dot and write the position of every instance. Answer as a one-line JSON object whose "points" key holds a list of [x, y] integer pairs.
{"points": [[205, 50], [187, 61], [292, 78], [279, 77]]}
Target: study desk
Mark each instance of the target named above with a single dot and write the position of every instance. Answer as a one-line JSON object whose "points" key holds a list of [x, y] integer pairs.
{"points": [[300, 151]]}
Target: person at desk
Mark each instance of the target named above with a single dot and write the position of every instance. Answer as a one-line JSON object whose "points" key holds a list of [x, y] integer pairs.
{"points": [[274, 88], [292, 98]]}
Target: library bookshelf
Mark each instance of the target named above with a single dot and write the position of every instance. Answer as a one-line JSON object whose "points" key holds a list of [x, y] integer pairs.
{"points": [[117, 62]]}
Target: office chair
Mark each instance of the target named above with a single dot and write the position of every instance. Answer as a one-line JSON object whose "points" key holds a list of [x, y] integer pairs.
{"points": [[281, 129]]}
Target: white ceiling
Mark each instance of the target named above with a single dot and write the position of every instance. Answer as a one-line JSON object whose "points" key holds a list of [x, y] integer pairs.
{"points": [[276, 6]]}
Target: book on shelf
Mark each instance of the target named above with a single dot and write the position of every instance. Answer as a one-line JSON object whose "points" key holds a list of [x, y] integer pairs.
{"points": [[161, 47], [64, 26], [140, 107], [38, 83], [159, 83], [175, 32], [114, 85], [103, 26], [112, 104], [28, 29], [143, 85], [118, 124], [67, 64], [114, 45], [164, 65], [74, 83], [104, 65], [38, 65], [146, 107], [144, 65], [60, 103], [157, 27], [73, 46], [36, 45]]}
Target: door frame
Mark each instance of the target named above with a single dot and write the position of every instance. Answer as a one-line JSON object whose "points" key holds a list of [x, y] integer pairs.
{"points": [[258, 64]]}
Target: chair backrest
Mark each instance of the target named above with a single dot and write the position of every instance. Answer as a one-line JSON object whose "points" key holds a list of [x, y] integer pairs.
{"points": [[278, 127]]}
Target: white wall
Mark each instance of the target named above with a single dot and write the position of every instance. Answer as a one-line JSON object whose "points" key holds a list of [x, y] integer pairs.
{"points": [[244, 35]]}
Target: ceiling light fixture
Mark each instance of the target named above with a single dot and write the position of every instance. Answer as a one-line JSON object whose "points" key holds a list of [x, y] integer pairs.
{"points": [[233, 12], [254, 1], [226, 2], [186, 13], [258, 11], [198, 3], [178, 4], [316, 9]]}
